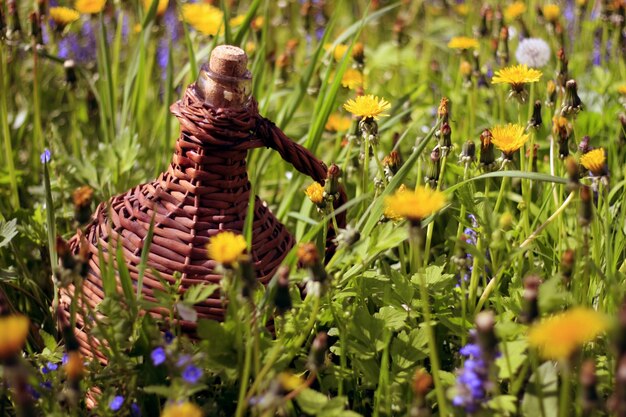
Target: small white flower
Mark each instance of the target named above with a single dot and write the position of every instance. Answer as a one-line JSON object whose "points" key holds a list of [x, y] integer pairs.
{"points": [[533, 52]]}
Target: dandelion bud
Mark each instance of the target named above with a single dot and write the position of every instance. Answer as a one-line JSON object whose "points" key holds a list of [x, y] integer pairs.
{"points": [[282, 298], [568, 259], [573, 173], [333, 176], [487, 156], [583, 146], [443, 110], [14, 328], [358, 53], [503, 47], [468, 152], [35, 28], [422, 384], [70, 72], [16, 28], [586, 207], [446, 138], [530, 305], [399, 26], [434, 166], [3, 24], [317, 356], [82, 198], [248, 277], [536, 121], [551, 90], [486, 15], [588, 384], [309, 258], [466, 69], [486, 336], [391, 164], [572, 104]]}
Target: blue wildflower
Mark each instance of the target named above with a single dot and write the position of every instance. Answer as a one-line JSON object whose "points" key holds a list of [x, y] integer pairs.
{"points": [[168, 337], [49, 367], [116, 403], [158, 356], [192, 374], [64, 358], [47, 385], [135, 411], [45, 156], [472, 383]]}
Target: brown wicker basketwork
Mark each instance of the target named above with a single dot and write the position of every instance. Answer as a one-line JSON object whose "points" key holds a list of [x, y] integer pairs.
{"points": [[204, 191]]}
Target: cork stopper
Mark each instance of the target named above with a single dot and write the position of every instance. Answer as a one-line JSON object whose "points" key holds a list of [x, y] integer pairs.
{"points": [[225, 81]]}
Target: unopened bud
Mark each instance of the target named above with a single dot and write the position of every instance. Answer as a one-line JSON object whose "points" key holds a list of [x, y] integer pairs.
{"points": [[282, 298], [317, 356], [568, 260], [586, 206], [486, 335], [530, 306]]}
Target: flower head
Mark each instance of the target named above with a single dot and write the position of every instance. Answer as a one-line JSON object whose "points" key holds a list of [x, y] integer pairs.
{"points": [[63, 16], [315, 192], [551, 12], [184, 409], [339, 51], [368, 107], [414, 205], [89, 6], [472, 382], [158, 356], [45, 156], [516, 76], [462, 43], [338, 123], [508, 138], [161, 6], [13, 331], [226, 248], [559, 336], [514, 10], [621, 89], [203, 17], [192, 374], [594, 161], [74, 366], [353, 79], [116, 403], [534, 52]]}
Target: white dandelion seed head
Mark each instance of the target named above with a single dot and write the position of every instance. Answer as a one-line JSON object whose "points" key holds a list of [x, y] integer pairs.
{"points": [[533, 52]]}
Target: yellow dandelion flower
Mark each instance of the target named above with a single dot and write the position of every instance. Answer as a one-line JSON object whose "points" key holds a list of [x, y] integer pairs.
{"points": [[338, 123], [257, 22], [558, 337], [516, 76], [622, 89], [508, 138], [89, 6], [161, 6], [289, 381], [74, 367], [594, 161], [514, 10], [551, 12], [250, 47], [237, 20], [226, 248], [204, 18], [63, 16], [137, 28], [315, 192], [462, 9], [463, 42], [465, 68], [13, 332], [353, 79], [414, 205], [339, 52], [185, 409], [367, 106]]}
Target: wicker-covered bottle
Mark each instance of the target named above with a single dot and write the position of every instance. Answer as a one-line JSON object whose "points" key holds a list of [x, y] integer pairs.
{"points": [[204, 191]]}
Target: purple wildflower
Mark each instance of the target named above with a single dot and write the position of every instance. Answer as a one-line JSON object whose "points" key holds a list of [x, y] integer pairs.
{"points": [[116, 403], [192, 374], [45, 156], [158, 356], [472, 382], [135, 411], [49, 367], [168, 337]]}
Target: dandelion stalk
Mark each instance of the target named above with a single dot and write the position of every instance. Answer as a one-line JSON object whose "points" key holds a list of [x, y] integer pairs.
{"points": [[6, 134]]}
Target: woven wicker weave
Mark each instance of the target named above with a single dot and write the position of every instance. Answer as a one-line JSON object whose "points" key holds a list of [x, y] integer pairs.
{"points": [[204, 191]]}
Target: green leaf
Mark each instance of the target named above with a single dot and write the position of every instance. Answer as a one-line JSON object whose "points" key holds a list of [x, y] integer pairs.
{"points": [[8, 230], [543, 381], [512, 358], [505, 404], [311, 401], [198, 293], [393, 318]]}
